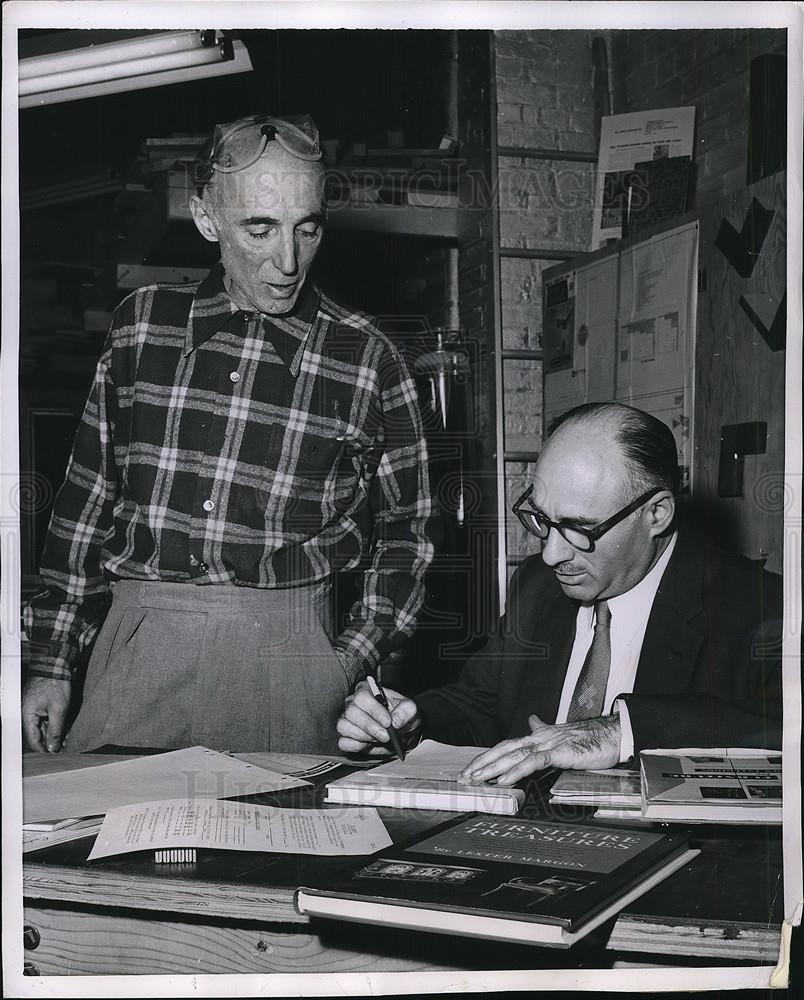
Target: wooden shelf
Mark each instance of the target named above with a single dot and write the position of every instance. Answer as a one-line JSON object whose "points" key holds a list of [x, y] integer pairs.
{"points": [[533, 153], [401, 220], [520, 354], [537, 253]]}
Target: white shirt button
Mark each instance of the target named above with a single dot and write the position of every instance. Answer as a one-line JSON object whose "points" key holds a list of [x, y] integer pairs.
{"points": [[208, 505], [234, 376]]}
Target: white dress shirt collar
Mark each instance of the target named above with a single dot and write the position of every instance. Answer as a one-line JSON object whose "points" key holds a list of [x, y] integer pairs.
{"points": [[632, 608]]}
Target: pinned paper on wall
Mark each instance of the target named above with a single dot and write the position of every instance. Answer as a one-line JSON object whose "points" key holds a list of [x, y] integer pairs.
{"points": [[639, 137], [656, 331], [629, 335]]}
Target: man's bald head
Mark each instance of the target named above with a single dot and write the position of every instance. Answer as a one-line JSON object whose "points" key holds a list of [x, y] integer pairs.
{"points": [[299, 180], [641, 442]]}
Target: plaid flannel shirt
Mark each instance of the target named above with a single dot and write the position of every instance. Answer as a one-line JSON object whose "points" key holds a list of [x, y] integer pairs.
{"points": [[221, 447]]}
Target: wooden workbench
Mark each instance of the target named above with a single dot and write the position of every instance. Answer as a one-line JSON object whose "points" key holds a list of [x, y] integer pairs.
{"points": [[231, 913]]}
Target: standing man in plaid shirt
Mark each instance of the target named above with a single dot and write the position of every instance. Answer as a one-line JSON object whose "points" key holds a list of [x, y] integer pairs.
{"points": [[245, 439]]}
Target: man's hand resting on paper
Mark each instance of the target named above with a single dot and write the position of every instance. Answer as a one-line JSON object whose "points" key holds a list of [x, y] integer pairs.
{"points": [[364, 722], [45, 702], [590, 743]]}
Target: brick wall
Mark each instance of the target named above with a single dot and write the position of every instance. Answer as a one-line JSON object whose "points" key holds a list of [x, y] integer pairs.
{"points": [[707, 69], [544, 83]]}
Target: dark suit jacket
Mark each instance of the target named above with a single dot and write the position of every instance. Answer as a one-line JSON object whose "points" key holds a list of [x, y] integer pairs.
{"points": [[709, 673]]}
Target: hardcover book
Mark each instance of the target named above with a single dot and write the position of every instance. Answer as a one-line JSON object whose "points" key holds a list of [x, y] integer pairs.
{"points": [[694, 785], [535, 881], [611, 788], [426, 779]]}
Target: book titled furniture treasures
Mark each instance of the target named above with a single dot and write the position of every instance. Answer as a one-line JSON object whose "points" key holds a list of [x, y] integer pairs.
{"points": [[536, 881]]}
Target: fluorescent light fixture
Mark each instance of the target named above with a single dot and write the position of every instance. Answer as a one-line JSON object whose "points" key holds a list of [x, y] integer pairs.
{"points": [[151, 60]]}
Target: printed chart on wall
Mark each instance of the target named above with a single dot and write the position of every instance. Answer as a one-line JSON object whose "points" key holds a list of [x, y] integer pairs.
{"points": [[656, 331], [580, 317]]}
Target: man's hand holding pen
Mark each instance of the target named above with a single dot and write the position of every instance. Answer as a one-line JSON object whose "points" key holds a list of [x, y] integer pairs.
{"points": [[365, 722], [379, 696]]}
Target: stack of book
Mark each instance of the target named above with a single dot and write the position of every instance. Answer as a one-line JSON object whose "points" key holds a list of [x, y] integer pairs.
{"points": [[687, 785], [712, 786], [613, 793]]}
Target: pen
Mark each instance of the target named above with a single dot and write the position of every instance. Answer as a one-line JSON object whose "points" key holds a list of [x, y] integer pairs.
{"points": [[393, 735]]}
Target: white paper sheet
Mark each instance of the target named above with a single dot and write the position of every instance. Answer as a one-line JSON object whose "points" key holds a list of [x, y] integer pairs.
{"points": [[239, 826], [299, 765], [194, 772], [433, 761], [632, 138], [656, 332], [35, 841], [714, 751]]}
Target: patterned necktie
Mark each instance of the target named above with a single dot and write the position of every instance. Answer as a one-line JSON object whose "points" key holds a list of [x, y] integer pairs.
{"points": [[590, 691]]}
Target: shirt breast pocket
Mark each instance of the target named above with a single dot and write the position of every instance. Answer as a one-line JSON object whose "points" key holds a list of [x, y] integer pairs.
{"points": [[327, 472], [344, 470]]}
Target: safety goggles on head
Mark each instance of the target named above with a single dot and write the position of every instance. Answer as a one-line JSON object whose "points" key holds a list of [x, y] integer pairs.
{"points": [[237, 145]]}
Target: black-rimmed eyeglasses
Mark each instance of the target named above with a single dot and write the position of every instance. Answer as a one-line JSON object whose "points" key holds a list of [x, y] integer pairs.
{"points": [[583, 539]]}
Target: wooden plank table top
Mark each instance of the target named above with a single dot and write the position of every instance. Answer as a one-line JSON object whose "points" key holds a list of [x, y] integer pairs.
{"points": [[233, 911]]}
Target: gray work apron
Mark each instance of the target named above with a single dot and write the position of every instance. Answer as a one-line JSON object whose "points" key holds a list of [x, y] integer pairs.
{"points": [[230, 668]]}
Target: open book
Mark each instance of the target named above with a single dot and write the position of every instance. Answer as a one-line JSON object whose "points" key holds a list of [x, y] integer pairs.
{"points": [[426, 779]]}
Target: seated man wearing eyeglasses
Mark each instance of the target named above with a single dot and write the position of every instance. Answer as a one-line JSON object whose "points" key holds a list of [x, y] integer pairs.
{"points": [[246, 439], [626, 632]]}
